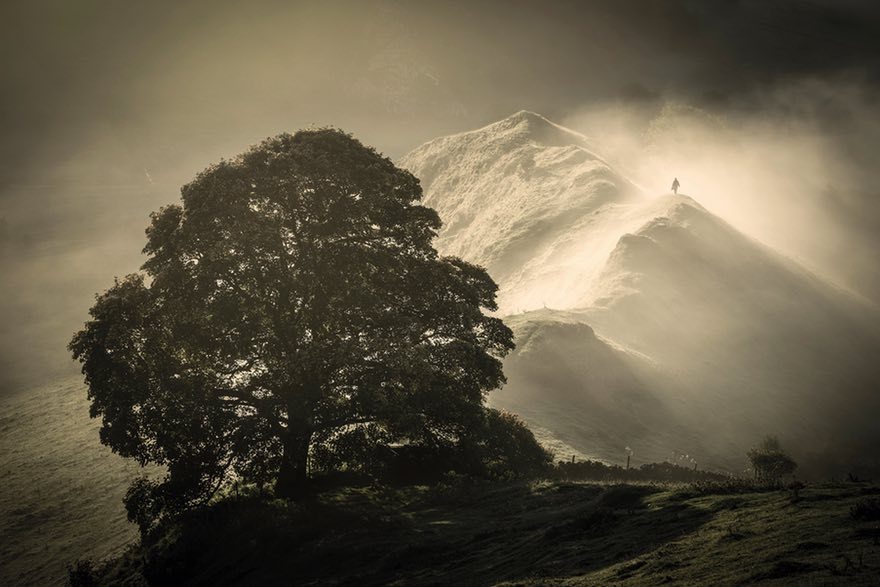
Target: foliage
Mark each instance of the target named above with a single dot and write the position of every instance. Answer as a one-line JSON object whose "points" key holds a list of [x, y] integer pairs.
{"points": [[590, 470], [769, 462], [795, 487], [144, 502], [624, 496], [497, 446], [293, 297], [507, 449]]}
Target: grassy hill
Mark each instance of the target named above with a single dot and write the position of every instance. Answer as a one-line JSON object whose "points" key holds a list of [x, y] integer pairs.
{"points": [[539, 533], [61, 493]]}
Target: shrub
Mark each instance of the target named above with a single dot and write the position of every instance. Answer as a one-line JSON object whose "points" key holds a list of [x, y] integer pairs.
{"points": [[498, 445], [769, 462], [506, 448], [650, 472], [795, 487], [624, 497], [596, 521]]}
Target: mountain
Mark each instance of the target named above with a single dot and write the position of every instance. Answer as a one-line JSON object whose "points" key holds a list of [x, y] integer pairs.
{"points": [[646, 320], [530, 201], [582, 402]]}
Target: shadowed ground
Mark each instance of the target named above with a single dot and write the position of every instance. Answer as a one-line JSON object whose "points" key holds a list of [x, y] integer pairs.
{"points": [[61, 500], [521, 534]]}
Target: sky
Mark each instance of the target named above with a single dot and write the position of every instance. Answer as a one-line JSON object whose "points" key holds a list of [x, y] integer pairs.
{"points": [[108, 107]]}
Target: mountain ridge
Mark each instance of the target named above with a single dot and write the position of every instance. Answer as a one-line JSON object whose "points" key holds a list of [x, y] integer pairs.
{"points": [[741, 340]]}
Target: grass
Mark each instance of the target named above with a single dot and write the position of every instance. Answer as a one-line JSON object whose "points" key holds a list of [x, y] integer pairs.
{"points": [[540, 533], [61, 490]]}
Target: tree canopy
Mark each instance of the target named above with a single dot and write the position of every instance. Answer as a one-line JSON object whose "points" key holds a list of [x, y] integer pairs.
{"points": [[294, 295]]}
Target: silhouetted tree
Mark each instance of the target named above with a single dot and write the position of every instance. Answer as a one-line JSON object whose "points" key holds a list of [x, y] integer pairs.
{"points": [[769, 461], [294, 292]]}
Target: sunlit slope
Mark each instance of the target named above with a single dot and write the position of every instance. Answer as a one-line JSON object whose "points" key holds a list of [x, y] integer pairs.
{"points": [[589, 392], [61, 495], [528, 200], [738, 340], [764, 345]]}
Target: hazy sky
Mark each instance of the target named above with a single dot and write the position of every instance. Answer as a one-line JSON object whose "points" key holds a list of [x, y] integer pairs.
{"points": [[107, 107], [154, 81]]}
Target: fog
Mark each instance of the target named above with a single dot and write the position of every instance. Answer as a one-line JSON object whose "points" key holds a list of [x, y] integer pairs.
{"points": [[767, 114], [793, 180]]}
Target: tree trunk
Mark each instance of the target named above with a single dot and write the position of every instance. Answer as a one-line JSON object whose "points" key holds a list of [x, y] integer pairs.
{"points": [[292, 480]]}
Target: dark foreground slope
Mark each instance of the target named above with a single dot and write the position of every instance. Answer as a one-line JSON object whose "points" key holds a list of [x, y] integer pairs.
{"points": [[544, 533]]}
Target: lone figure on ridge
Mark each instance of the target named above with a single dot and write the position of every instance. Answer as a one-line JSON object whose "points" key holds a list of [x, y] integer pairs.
{"points": [[675, 185]]}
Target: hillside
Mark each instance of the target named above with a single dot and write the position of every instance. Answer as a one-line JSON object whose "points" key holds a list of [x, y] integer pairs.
{"points": [[761, 343], [690, 328], [583, 401], [61, 496], [542, 533], [528, 200]]}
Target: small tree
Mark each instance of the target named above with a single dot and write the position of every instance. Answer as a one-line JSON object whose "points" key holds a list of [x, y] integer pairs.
{"points": [[507, 447], [769, 462], [293, 293]]}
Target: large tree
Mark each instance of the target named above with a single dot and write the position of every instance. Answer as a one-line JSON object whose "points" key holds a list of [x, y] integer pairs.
{"points": [[294, 292]]}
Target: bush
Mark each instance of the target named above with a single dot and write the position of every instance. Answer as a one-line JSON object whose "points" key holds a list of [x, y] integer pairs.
{"points": [[650, 472], [506, 448], [596, 521], [769, 462], [624, 497], [416, 463], [497, 446]]}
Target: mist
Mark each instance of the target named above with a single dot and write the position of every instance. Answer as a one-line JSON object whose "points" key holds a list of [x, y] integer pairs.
{"points": [[112, 108], [788, 179]]}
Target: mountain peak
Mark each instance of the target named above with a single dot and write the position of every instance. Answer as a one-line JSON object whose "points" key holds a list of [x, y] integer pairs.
{"points": [[523, 129], [537, 128], [669, 203], [526, 116]]}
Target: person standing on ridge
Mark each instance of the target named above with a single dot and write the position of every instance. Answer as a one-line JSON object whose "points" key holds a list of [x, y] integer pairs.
{"points": [[675, 185]]}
